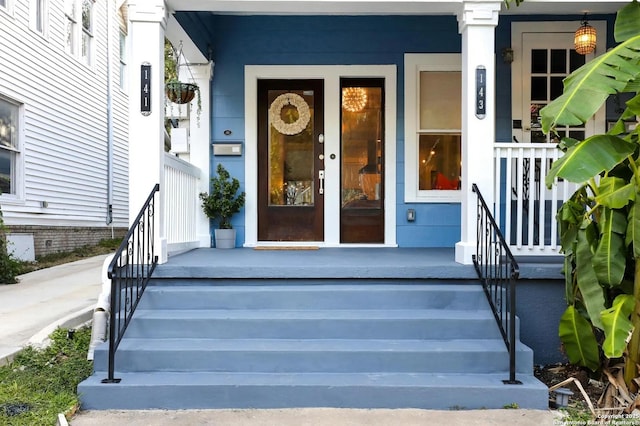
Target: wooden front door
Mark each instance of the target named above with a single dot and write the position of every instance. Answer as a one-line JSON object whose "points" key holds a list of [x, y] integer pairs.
{"points": [[290, 160]]}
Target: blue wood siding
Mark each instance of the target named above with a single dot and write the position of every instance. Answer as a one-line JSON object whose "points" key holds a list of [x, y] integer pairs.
{"points": [[237, 41]]}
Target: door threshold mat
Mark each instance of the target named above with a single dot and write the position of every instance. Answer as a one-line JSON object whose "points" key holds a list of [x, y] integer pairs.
{"points": [[286, 248]]}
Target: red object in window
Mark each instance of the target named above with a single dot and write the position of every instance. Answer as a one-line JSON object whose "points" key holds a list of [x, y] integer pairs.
{"points": [[442, 182]]}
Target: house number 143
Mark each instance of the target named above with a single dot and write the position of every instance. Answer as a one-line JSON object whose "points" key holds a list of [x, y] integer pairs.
{"points": [[145, 88], [481, 92]]}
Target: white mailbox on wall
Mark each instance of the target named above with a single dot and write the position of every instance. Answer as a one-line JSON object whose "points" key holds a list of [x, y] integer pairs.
{"points": [[180, 140]]}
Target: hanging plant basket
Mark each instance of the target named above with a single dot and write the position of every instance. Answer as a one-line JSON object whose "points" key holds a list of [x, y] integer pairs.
{"points": [[180, 93]]}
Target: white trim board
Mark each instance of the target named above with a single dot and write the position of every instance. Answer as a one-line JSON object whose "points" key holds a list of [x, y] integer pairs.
{"points": [[331, 75]]}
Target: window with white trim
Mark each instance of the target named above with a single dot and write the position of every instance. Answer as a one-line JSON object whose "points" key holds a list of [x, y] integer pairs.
{"points": [[71, 17], [38, 18], [87, 32], [433, 122], [122, 18], [9, 145]]}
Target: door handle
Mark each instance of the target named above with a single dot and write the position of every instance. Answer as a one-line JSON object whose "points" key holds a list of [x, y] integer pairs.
{"points": [[321, 182]]}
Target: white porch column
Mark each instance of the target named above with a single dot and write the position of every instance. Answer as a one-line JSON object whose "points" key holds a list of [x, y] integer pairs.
{"points": [[476, 23], [200, 143], [146, 131]]}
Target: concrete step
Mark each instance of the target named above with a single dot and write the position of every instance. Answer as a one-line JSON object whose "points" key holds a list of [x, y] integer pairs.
{"points": [[199, 342], [171, 390], [311, 294], [317, 323], [316, 355]]}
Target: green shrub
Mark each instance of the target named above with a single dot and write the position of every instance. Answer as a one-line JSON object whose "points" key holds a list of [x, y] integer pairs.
{"points": [[9, 267]]}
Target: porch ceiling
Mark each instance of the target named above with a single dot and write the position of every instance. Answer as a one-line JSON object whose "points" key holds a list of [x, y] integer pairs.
{"points": [[385, 7]]}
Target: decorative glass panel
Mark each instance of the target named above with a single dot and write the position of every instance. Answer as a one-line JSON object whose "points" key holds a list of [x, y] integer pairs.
{"points": [[440, 94], [361, 147], [291, 155]]}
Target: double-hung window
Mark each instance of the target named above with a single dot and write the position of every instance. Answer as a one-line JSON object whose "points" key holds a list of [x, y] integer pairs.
{"points": [[433, 122], [87, 32], [38, 16], [122, 15], [9, 145], [70, 11]]}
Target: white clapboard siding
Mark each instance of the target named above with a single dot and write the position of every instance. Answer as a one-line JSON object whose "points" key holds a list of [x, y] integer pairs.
{"points": [[63, 152]]}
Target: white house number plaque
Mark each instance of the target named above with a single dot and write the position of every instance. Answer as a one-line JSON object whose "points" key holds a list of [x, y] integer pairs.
{"points": [[481, 92], [145, 88]]}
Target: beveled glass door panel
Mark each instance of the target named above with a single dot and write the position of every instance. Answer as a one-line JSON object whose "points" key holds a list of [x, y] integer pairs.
{"points": [[362, 161], [291, 148], [290, 128]]}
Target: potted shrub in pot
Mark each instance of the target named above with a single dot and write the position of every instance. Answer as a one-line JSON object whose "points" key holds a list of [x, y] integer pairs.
{"points": [[221, 204]]}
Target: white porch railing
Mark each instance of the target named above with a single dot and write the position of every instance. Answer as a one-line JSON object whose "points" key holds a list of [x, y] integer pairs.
{"points": [[180, 192], [525, 209]]}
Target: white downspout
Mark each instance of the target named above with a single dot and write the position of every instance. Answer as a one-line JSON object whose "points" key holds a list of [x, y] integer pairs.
{"points": [[109, 214], [101, 311]]}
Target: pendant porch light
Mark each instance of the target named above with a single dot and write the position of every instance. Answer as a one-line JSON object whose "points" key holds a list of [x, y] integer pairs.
{"points": [[585, 38]]}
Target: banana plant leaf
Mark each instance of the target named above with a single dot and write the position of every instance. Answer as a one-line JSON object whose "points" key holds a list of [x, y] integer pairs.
{"points": [[617, 325], [633, 228], [590, 288], [615, 193], [627, 22], [587, 88], [569, 218], [596, 154], [569, 277], [609, 260], [578, 339]]}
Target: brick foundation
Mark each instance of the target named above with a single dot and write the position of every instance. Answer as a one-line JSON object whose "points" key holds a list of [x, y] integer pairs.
{"points": [[50, 239]]}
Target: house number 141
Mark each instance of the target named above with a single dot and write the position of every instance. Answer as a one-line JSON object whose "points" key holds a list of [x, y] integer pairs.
{"points": [[145, 88], [481, 92]]}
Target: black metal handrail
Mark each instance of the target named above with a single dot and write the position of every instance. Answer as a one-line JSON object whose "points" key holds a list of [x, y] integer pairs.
{"points": [[499, 272], [129, 271]]}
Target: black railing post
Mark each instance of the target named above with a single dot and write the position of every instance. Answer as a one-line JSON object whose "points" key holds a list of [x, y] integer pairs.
{"points": [[129, 272], [498, 271]]}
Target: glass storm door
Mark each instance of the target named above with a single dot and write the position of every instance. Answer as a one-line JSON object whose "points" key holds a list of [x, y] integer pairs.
{"points": [[362, 160], [290, 160]]}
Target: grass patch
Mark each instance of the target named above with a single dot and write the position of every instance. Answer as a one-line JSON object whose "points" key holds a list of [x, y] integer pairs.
{"points": [[40, 383]]}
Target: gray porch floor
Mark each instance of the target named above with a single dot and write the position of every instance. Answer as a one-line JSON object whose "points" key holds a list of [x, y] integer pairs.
{"points": [[383, 262]]}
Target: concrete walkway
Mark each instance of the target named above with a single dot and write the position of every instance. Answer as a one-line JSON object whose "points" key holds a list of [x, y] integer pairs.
{"points": [[319, 417], [62, 296], [65, 296]]}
